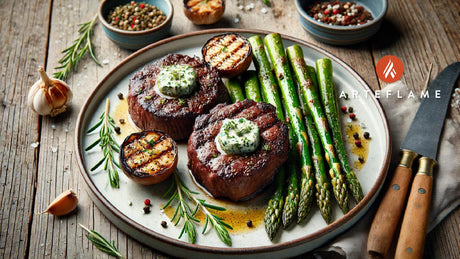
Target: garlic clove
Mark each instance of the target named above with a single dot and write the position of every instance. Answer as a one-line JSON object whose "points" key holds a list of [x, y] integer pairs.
{"points": [[65, 203], [42, 102], [30, 96]]}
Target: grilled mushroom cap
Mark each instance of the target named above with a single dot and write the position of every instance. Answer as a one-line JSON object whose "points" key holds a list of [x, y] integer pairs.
{"points": [[204, 11], [229, 53], [148, 157]]}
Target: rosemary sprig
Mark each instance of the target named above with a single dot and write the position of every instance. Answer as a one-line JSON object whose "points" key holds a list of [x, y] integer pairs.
{"points": [[108, 145], [101, 243], [179, 191], [216, 222], [74, 53]]}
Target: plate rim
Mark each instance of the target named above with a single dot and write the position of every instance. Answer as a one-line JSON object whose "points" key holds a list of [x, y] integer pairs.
{"points": [[368, 198]]}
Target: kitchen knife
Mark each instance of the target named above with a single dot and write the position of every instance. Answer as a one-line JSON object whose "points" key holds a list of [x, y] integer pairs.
{"points": [[422, 139]]}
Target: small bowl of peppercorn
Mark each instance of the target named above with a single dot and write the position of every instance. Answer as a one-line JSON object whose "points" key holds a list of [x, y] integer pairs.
{"points": [[341, 22], [133, 25]]}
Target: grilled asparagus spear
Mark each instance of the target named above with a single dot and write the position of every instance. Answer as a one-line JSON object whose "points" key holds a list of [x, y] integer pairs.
{"points": [[234, 90], [251, 86], [312, 101], [275, 48], [328, 98]]}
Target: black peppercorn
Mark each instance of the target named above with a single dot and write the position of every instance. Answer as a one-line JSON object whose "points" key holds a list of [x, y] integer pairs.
{"points": [[356, 135], [120, 96], [117, 130], [366, 135], [146, 209], [164, 224], [249, 223]]}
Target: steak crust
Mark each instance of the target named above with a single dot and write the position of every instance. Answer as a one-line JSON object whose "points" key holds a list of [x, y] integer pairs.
{"points": [[174, 116], [237, 176]]}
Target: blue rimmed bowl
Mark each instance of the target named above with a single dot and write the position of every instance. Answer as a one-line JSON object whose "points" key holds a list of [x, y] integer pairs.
{"points": [[136, 39], [342, 35]]}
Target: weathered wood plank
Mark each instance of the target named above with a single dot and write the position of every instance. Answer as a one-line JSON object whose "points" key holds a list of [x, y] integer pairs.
{"points": [[22, 49]]}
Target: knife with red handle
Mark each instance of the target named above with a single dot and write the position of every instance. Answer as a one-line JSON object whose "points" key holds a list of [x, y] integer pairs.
{"points": [[422, 139]]}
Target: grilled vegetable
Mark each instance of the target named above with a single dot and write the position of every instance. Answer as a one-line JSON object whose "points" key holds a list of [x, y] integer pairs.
{"points": [[251, 86], [204, 11], [148, 157], [234, 90], [291, 103], [311, 97], [291, 198], [230, 54], [328, 96], [272, 217]]}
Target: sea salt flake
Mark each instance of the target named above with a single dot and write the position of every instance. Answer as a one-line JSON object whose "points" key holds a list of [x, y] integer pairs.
{"points": [[54, 149], [35, 145], [105, 61], [264, 10]]}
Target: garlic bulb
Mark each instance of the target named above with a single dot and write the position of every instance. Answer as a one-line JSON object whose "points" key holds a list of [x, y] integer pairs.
{"points": [[49, 96]]}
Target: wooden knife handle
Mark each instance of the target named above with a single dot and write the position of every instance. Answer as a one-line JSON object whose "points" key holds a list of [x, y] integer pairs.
{"points": [[413, 229], [389, 212]]}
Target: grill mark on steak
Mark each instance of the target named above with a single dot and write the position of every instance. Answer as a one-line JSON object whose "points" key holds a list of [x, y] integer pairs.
{"points": [[237, 176], [174, 116]]}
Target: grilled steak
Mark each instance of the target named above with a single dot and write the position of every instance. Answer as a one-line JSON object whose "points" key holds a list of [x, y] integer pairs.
{"points": [[174, 116], [237, 176]]}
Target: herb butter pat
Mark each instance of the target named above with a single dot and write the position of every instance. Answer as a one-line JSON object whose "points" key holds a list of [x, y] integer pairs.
{"points": [[238, 136], [176, 80]]}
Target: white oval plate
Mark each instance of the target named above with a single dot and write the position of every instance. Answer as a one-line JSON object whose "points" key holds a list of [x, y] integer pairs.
{"points": [[252, 242]]}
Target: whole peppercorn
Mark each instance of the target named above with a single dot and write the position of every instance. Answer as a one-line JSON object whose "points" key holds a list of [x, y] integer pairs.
{"points": [[146, 209], [249, 223], [356, 135], [361, 159], [164, 224], [350, 109], [358, 143], [117, 130], [344, 109], [147, 202], [120, 96], [352, 116], [366, 135]]}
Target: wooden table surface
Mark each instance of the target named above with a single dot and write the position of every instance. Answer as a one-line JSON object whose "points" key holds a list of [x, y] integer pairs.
{"points": [[33, 33]]}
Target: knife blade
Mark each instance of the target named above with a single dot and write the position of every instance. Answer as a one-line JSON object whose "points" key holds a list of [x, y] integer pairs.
{"points": [[422, 138]]}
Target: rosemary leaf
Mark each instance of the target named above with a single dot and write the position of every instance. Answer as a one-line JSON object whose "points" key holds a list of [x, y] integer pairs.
{"points": [[101, 243]]}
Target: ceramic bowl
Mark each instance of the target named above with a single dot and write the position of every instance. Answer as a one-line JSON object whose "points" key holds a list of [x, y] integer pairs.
{"points": [[136, 39], [342, 35]]}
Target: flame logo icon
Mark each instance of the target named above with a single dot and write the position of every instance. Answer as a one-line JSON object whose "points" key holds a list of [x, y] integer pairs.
{"points": [[389, 69]]}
